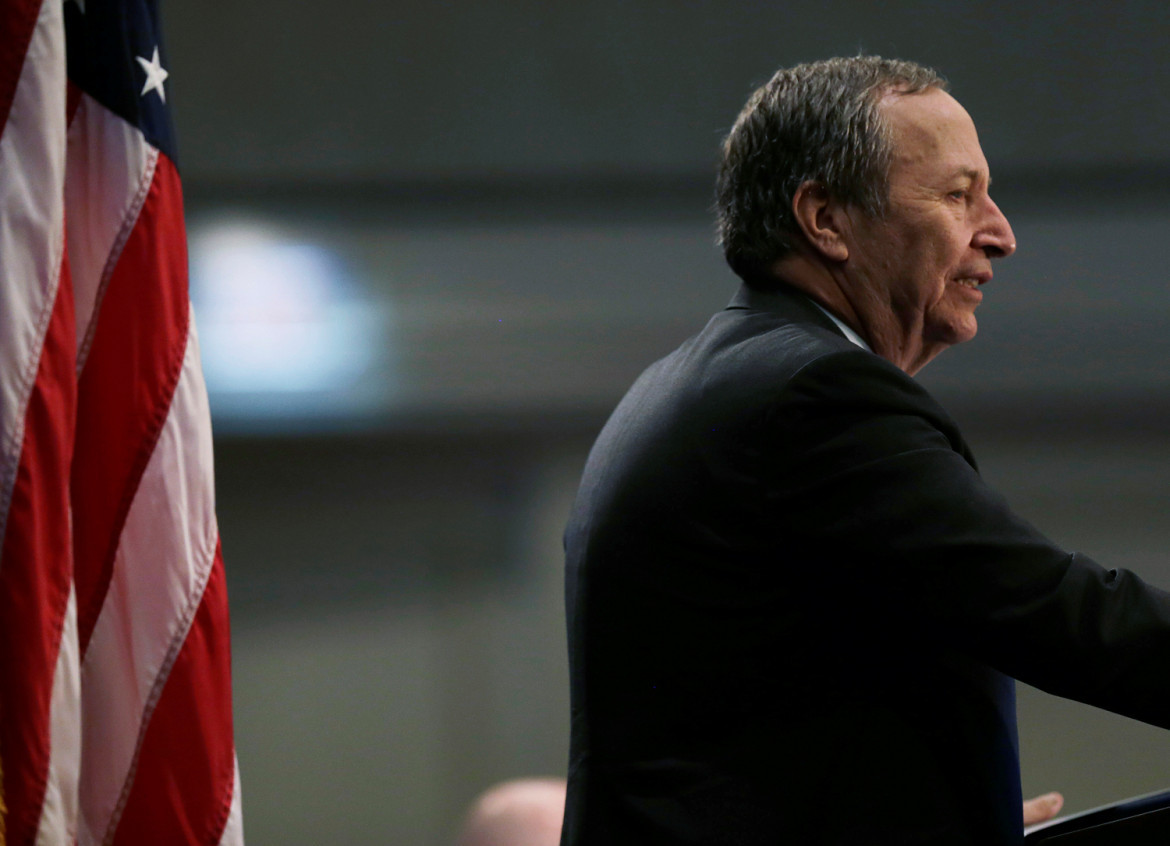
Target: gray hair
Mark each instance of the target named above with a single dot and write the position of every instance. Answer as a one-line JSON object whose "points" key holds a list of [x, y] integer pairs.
{"points": [[817, 121]]}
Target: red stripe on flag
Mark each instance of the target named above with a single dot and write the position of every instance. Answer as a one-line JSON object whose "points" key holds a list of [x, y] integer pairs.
{"points": [[35, 575], [19, 19], [72, 101], [126, 387], [182, 789]]}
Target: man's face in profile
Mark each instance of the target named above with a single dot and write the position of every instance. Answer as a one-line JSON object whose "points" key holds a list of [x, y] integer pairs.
{"points": [[926, 259]]}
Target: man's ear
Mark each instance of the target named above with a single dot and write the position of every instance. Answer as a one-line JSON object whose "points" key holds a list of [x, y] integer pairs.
{"points": [[822, 219]]}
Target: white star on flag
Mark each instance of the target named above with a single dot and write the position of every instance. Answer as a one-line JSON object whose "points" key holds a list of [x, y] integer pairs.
{"points": [[155, 75]]}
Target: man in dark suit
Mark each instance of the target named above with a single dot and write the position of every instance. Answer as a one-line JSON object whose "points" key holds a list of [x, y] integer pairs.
{"points": [[795, 609]]}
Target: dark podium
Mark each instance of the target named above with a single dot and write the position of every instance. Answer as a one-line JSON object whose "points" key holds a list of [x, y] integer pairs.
{"points": [[1141, 821]]}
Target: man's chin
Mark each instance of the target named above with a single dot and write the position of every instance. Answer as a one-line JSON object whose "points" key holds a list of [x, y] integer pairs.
{"points": [[953, 332]]}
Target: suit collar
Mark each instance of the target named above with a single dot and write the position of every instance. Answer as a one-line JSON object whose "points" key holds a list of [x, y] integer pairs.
{"points": [[784, 300]]}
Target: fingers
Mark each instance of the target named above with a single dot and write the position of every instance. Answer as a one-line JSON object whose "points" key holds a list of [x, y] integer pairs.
{"points": [[1042, 808]]}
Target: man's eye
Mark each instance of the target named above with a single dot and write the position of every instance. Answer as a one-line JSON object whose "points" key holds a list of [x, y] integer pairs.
{"points": [[957, 194]]}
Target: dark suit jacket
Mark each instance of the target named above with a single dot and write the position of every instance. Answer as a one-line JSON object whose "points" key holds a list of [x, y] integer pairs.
{"points": [[795, 609]]}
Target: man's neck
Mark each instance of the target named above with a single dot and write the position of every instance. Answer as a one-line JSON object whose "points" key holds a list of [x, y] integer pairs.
{"points": [[856, 307]]}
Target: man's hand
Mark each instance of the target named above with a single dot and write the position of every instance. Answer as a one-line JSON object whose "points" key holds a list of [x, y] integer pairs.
{"points": [[1042, 808]]}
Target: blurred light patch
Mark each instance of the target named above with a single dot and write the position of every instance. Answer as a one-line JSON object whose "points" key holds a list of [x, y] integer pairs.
{"points": [[288, 339]]}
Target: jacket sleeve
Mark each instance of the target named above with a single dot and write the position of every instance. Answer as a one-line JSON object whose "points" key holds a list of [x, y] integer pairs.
{"points": [[862, 464]]}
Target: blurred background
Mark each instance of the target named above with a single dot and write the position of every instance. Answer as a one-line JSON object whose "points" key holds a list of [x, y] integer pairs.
{"points": [[432, 244]]}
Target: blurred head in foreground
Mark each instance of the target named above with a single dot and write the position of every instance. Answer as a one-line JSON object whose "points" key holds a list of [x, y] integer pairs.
{"points": [[525, 812]]}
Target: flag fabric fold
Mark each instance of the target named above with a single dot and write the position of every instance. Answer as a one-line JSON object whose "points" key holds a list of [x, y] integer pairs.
{"points": [[115, 687]]}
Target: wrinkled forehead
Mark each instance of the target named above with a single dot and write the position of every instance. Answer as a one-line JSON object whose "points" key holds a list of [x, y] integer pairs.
{"points": [[931, 125]]}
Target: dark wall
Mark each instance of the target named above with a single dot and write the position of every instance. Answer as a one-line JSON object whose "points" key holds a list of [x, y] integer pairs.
{"points": [[524, 186], [361, 89]]}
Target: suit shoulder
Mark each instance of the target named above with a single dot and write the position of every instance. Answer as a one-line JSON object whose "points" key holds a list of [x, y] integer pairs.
{"points": [[759, 359], [761, 341], [862, 376], [843, 389], [769, 372]]}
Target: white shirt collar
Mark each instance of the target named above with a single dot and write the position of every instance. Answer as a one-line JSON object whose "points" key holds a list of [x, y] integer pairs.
{"points": [[847, 330]]}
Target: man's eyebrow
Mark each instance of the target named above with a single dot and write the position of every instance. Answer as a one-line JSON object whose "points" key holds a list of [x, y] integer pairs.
{"points": [[971, 173]]}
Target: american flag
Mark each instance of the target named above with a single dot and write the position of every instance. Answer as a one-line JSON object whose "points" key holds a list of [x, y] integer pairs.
{"points": [[115, 688]]}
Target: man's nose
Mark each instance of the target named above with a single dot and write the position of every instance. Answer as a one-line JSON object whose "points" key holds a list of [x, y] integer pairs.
{"points": [[995, 236]]}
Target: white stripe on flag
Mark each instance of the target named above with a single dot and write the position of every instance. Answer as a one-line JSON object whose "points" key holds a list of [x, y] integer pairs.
{"points": [[32, 161], [59, 817], [164, 558], [109, 171], [233, 831]]}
